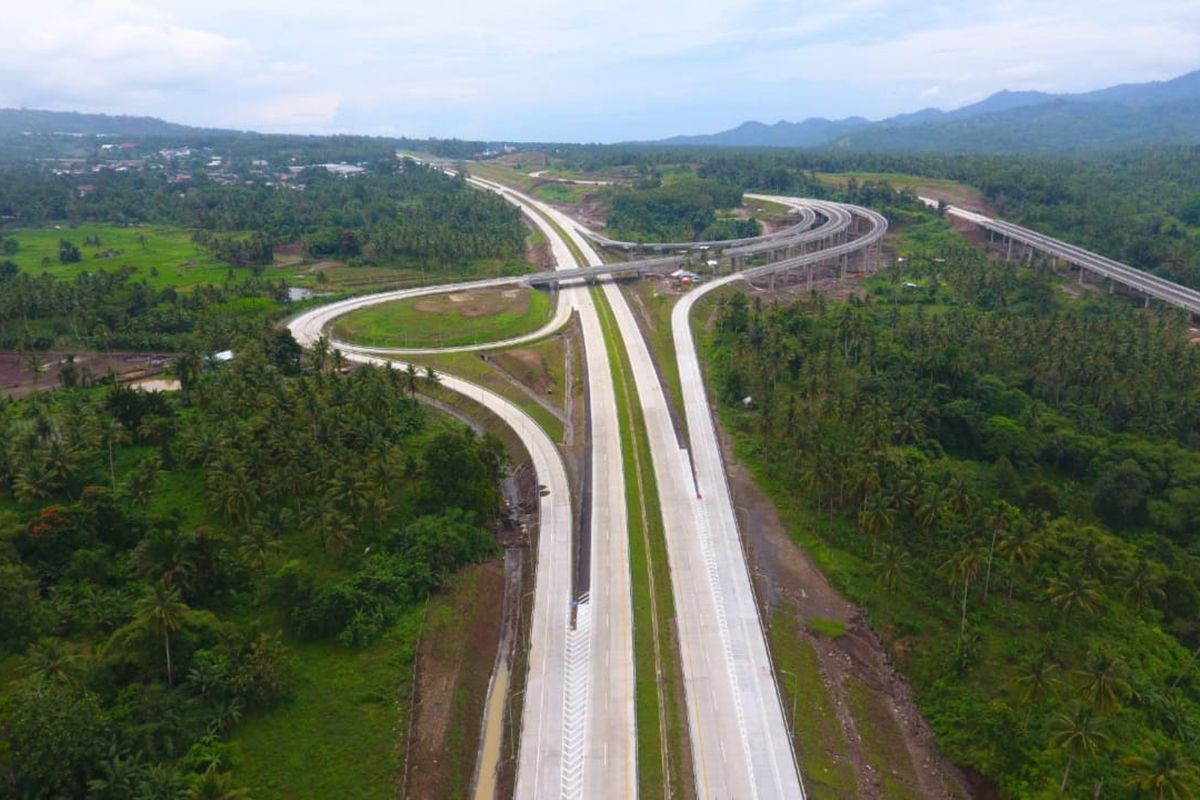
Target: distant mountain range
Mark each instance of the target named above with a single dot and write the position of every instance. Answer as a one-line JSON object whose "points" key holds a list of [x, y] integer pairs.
{"points": [[1161, 112], [27, 120]]}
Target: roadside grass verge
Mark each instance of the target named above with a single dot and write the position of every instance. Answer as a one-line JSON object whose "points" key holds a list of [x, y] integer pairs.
{"points": [[661, 733], [501, 174], [883, 743], [472, 367], [657, 307], [818, 739], [447, 320], [576, 253]]}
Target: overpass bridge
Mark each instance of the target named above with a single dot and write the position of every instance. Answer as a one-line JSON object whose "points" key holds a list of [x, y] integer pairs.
{"points": [[1023, 242]]}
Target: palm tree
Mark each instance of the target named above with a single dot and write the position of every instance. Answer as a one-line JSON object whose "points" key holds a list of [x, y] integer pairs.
{"points": [[161, 782], [432, 379], [162, 612], [1074, 591], [111, 433], [1103, 686], [1165, 774], [118, 777], [1078, 736], [1034, 681], [1142, 585], [163, 554], [1020, 545], [410, 379], [964, 565], [214, 785], [50, 658], [890, 566]]}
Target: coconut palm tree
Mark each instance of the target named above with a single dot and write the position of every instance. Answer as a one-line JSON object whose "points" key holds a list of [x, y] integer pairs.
{"points": [[1164, 774], [162, 613], [1034, 681], [1073, 591], [964, 565], [1142, 584], [1020, 544], [1078, 736], [1104, 685], [214, 785], [890, 566], [50, 658]]}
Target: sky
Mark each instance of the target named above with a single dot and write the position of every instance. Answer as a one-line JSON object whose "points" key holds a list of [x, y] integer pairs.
{"points": [[570, 70]]}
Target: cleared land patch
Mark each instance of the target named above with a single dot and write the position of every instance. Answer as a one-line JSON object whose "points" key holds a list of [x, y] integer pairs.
{"points": [[447, 320], [952, 192], [162, 255]]}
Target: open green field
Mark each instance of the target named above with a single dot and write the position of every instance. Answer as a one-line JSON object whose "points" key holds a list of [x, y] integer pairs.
{"points": [[563, 192], [448, 320], [338, 735], [163, 255], [492, 171], [950, 191]]}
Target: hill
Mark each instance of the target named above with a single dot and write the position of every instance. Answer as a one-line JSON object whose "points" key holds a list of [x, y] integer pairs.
{"points": [[26, 120], [1127, 115]]}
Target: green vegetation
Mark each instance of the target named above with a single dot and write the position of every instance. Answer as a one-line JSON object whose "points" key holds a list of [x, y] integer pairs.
{"points": [[562, 192], [1003, 478], [662, 739], [883, 743], [820, 743], [644, 294], [251, 551], [829, 628], [336, 737], [475, 367], [683, 210], [164, 256], [448, 320], [394, 214]]}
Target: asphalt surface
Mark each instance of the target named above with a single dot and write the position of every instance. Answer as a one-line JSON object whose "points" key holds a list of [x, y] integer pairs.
{"points": [[578, 725]]}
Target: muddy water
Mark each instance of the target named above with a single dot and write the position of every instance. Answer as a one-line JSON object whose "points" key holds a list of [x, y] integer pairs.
{"points": [[493, 736]]}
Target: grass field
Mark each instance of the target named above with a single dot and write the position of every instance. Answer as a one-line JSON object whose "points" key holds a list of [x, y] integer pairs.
{"points": [[164, 256], [447, 320], [501, 174], [338, 735], [563, 192]]}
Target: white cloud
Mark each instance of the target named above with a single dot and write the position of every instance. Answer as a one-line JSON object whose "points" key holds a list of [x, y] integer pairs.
{"points": [[588, 70], [95, 53]]}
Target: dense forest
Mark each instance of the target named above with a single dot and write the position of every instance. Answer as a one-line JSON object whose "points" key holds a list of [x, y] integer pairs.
{"points": [[160, 553], [111, 310], [396, 212], [1008, 479], [1140, 206], [682, 210]]}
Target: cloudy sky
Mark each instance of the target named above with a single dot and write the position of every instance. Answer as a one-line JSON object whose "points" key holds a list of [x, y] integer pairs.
{"points": [[570, 70]]}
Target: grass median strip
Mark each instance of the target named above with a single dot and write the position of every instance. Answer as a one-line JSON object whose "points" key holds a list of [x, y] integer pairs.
{"points": [[659, 687]]}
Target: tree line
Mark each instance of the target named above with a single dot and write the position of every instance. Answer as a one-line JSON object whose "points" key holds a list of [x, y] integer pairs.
{"points": [[1013, 479], [139, 529]]}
